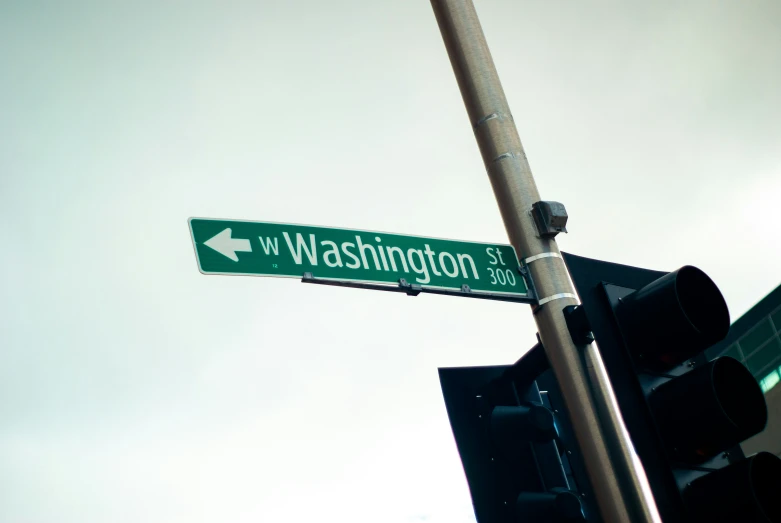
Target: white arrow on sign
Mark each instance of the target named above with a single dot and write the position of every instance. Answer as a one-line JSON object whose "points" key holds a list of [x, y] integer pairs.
{"points": [[227, 246]]}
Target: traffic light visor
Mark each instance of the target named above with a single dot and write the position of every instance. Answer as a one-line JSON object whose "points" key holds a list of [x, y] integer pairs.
{"points": [[702, 303], [674, 317], [746, 491], [709, 409]]}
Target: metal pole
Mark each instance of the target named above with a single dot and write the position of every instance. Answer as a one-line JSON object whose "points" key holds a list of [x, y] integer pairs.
{"points": [[616, 481]]}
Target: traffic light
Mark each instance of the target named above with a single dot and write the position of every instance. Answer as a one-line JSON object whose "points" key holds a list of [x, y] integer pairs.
{"points": [[686, 416], [514, 445]]}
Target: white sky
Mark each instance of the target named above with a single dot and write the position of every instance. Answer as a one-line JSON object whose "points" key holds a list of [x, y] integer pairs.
{"points": [[133, 388]]}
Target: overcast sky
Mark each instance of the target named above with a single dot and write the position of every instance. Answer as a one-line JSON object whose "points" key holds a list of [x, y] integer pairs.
{"points": [[135, 389]]}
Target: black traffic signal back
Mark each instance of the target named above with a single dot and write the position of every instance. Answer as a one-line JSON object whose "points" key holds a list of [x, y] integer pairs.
{"points": [[686, 416], [512, 443]]}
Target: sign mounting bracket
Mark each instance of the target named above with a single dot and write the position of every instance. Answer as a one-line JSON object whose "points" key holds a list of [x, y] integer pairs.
{"points": [[412, 289]]}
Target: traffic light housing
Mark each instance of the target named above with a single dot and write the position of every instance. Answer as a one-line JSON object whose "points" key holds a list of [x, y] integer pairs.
{"points": [[686, 416], [516, 446]]}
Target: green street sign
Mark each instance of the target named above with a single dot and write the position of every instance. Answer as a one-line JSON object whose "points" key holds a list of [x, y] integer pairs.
{"points": [[346, 255]]}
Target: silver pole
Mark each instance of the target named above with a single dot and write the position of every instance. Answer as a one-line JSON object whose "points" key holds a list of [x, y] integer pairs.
{"points": [[616, 481]]}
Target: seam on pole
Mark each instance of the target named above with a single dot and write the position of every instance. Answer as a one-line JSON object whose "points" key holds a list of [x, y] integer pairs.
{"points": [[507, 155], [560, 296], [484, 119], [540, 256]]}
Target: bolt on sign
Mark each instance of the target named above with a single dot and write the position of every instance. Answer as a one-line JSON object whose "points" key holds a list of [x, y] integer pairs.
{"points": [[347, 255]]}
